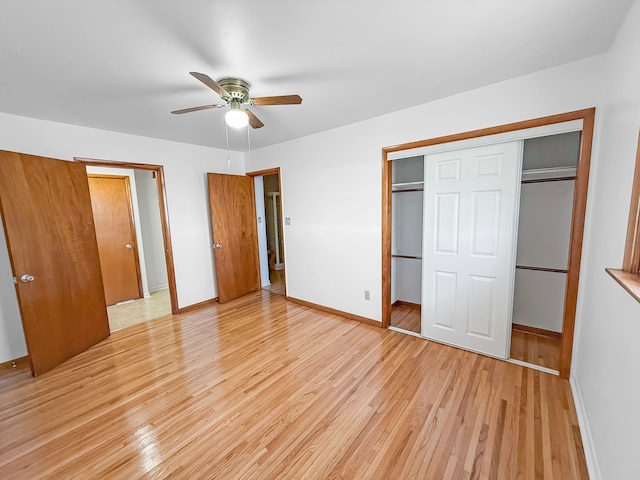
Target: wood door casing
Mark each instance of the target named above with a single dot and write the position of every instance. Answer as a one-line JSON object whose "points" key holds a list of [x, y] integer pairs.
{"points": [[233, 215], [577, 223], [50, 234], [115, 229]]}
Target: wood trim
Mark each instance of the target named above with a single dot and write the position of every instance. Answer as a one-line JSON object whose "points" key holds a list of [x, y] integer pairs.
{"points": [[262, 173], [575, 245], [198, 306], [541, 269], [631, 262], [536, 331], [577, 230], [484, 132], [402, 303], [629, 281], [22, 362], [164, 216], [333, 311]]}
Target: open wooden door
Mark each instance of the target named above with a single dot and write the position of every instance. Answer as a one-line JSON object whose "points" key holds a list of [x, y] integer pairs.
{"points": [[116, 235], [235, 235], [52, 246]]}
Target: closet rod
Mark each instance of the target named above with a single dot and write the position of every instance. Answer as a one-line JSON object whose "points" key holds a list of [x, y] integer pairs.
{"points": [[406, 256], [542, 180], [408, 190], [541, 269]]}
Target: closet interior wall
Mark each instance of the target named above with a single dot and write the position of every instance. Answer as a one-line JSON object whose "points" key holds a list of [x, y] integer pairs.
{"points": [[406, 236], [544, 230]]}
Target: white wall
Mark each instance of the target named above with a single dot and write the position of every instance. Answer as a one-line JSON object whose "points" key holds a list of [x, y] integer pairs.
{"points": [[606, 361], [185, 168], [261, 220], [12, 344], [333, 245], [544, 230], [151, 229], [127, 172]]}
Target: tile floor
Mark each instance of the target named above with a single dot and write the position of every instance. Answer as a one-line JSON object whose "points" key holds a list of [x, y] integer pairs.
{"points": [[137, 311]]}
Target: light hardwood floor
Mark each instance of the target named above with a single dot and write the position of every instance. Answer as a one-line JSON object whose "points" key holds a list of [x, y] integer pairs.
{"points": [[536, 349], [260, 388], [276, 277]]}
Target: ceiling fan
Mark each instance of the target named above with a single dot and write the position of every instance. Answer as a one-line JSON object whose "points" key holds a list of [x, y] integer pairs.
{"points": [[235, 92]]}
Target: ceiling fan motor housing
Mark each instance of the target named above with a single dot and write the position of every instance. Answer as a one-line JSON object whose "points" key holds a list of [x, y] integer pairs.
{"points": [[238, 89]]}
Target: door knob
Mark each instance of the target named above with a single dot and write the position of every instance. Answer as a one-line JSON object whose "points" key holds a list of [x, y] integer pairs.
{"points": [[128, 245], [217, 245], [27, 278]]}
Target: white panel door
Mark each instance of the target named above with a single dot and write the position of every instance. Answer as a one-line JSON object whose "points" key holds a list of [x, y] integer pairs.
{"points": [[470, 224]]}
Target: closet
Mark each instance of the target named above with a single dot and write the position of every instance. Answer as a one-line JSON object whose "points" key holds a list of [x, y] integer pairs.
{"points": [[406, 242], [480, 236], [544, 231]]}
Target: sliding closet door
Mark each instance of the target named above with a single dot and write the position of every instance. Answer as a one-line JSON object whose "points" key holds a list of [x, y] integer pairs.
{"points": [[471, 201]]}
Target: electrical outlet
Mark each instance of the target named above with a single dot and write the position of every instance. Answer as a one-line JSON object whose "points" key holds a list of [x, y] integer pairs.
{"points": [[367, 295], [287, 220]]}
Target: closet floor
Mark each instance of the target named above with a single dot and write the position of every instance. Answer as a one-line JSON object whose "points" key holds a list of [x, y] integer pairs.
{"points": [[406, 318], [536, 349]]}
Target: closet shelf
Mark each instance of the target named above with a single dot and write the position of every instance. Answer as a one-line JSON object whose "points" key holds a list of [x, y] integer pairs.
{"points": [[407, 186]]}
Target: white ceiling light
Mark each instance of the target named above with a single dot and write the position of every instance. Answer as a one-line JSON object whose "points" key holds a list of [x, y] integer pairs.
{"points": [[236, 117]]}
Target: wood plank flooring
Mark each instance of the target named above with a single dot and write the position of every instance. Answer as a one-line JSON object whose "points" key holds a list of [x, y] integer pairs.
{"points": [[406, 318], [536, 349], [260, 388]]}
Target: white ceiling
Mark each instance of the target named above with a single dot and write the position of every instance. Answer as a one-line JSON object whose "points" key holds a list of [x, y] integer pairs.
{"points": [[123, 65]]}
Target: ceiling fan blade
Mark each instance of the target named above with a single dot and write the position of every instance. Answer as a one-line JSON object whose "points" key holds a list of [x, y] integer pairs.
{"points": [[253, 120], [211, 83], [195, 109], [278, 100]]}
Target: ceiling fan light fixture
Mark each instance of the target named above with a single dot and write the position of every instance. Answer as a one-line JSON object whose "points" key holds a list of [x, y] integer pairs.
{"points": [[236, 117]]}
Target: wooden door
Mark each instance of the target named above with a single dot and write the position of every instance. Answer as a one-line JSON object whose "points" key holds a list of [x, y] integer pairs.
{"points": [[116, 234], [469, 240], [235, 236], [52, 247]]}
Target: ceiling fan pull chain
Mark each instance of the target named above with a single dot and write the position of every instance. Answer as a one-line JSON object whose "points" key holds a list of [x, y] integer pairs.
{"points": [[226, 132], [249, 142]]}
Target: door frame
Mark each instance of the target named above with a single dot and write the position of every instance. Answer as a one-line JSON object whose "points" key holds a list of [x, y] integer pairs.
{"points": [[164, 216], [132, 224], [262, 173], [577, 223]]}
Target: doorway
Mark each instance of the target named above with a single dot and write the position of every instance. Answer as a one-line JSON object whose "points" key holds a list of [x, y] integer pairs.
{"points": [[550, 125], [268, 197], [544, 231], [151, 242]]}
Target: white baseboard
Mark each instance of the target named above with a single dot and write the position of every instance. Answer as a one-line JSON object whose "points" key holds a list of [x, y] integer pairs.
{"points": [[157, 288], [585, 431]]}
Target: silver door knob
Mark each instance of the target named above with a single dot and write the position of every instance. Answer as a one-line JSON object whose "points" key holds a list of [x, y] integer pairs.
{"points": [[217, 245], [27, 278], [128, 245]]}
